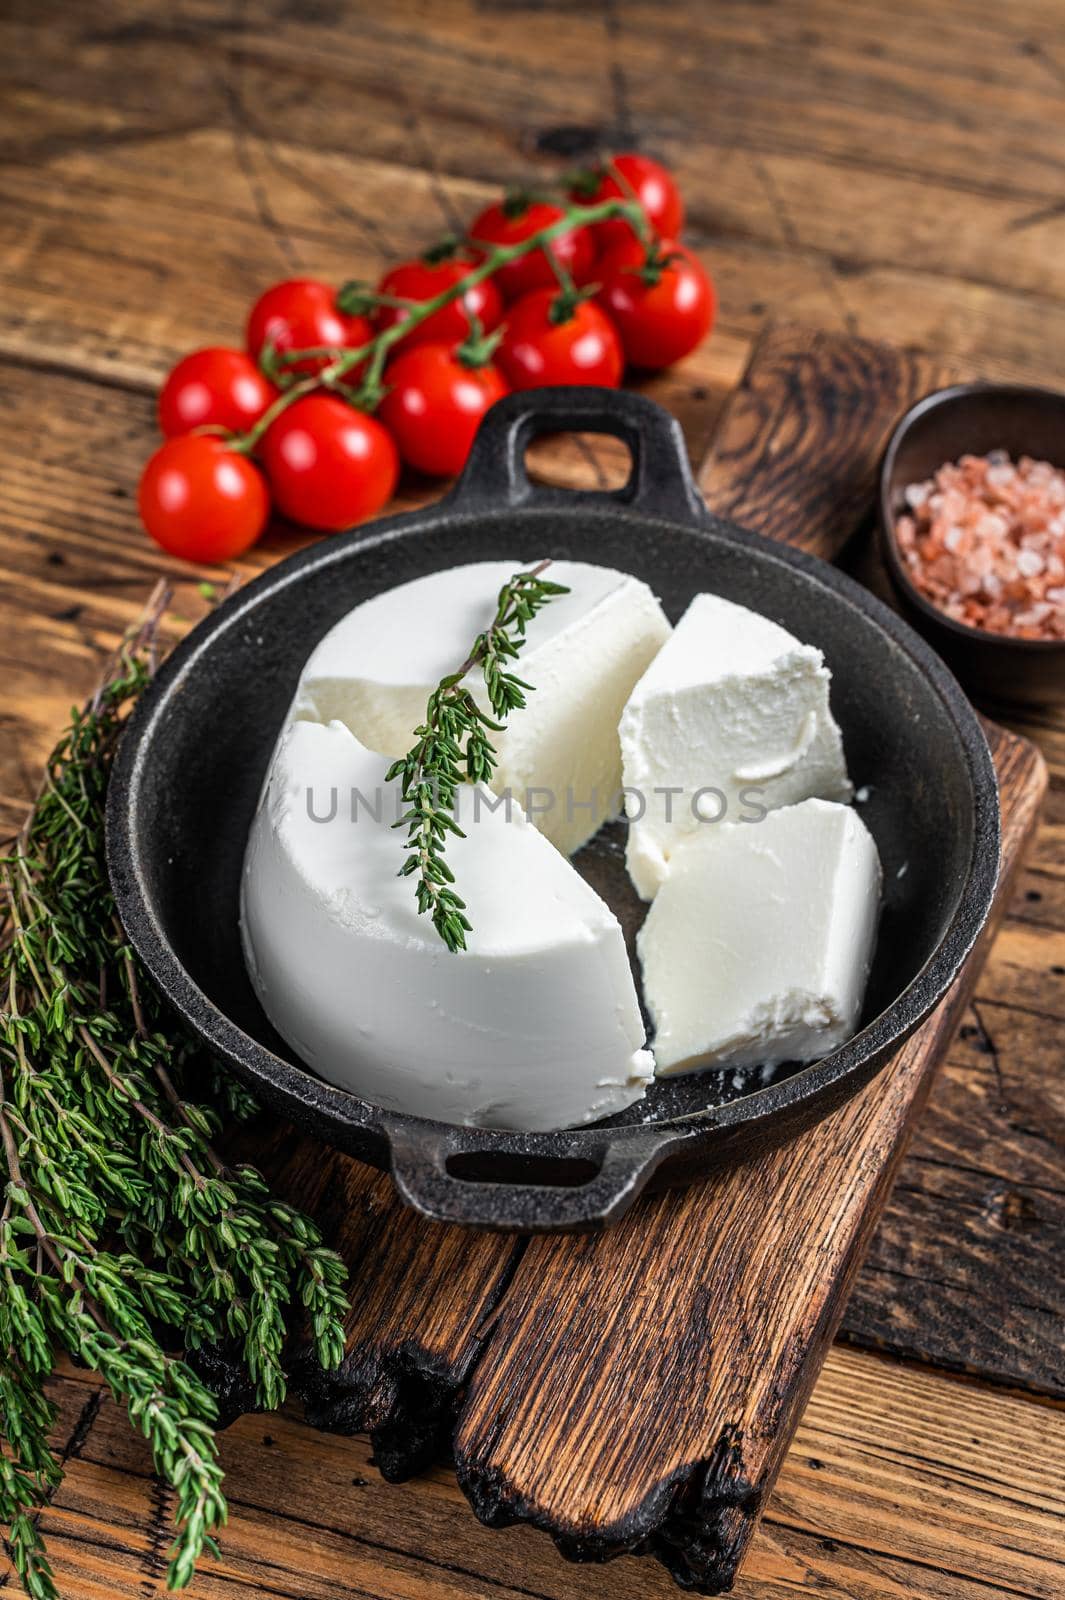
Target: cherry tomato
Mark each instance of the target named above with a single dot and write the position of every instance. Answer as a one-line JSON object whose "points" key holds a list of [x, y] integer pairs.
{"points": [[509, 222], [537, 350], [223, 388], [422, 280], [662, 314], [434, 404], [329, 465], [634, 177], [301, 314], [201, 500]]}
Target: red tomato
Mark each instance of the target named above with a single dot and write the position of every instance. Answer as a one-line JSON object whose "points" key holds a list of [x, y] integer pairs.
{"points": [[223, 388], [201, 500], [537, 350], [422, 280], [633, 177], [662, 314], [506, 223], [301, 314], [434, 404], [329, 465]]}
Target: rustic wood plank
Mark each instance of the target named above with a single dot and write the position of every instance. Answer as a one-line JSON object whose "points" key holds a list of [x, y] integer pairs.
{"points": [[798, 449], [987, 1296], [79, 242], [290, 122], [743, 1314], [899, 1482], [422, 1305], [957, 1444], [844, 85], [849, 83]]}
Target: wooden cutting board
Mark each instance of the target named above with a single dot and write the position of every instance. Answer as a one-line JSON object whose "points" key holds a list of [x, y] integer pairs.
{"points": [[636, 1391]]}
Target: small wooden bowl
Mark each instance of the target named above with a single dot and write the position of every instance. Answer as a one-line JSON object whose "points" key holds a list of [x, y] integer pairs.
{"points": [[973, 419]]}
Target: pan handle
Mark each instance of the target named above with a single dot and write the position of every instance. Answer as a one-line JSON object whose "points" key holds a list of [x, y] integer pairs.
{"points": [[660, 482], [436, 1172]]}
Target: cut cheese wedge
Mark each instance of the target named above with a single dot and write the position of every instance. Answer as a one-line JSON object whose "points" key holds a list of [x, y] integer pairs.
{"points": [[535, 1026], [560, 757], [757, 947], [730, 719]]}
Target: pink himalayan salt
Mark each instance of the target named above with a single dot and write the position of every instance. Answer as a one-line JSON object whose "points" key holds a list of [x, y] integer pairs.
{"points": [[984, 540]]}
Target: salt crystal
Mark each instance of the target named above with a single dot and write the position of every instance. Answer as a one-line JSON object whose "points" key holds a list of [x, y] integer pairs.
{"points": [[985, 541]]}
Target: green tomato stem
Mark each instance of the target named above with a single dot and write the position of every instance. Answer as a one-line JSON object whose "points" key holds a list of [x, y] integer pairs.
{"points": [[375, 352]]}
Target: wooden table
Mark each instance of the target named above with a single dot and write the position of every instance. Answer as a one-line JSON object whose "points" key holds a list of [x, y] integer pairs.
{"points": [[893, 172]]}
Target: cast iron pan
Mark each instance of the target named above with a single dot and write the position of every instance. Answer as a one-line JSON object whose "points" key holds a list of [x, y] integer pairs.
{"points": [[190, 767]]}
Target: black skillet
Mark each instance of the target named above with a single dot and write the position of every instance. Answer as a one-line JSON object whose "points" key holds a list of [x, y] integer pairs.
{"points": [[191, 764]]}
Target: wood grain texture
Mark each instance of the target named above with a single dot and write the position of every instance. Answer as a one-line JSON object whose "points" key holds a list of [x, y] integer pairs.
{"points": [[421, 1310], [901, 1485], [710, 1400], [273, 143], [965, 1267], [798, 449]]}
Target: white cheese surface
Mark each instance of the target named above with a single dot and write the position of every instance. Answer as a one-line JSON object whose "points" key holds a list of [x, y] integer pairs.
{"points": [[535, 1026], [585, 650], [731, 716], [757, 947]]}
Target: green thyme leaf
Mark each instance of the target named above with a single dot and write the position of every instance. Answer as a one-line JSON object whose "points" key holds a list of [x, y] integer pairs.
{"points": [[452, 747], [125, 1240]]}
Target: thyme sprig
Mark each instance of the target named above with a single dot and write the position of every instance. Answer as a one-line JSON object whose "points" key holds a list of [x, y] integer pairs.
{"points": [[125, 1239], [453, 747]]}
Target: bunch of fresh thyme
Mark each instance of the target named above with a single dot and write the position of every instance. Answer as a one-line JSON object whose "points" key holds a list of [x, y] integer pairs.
{"points": [[124, 1239], [453, 746]]}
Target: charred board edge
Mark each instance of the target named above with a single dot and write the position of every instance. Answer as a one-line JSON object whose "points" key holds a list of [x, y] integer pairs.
{"points": [[699, 1521], [683, 1522], [405, 1397]]}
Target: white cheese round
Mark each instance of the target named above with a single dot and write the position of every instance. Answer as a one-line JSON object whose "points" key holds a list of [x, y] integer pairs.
{"points": [[731, 718], [560, 757], [535, 1026], [757, 947]]}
